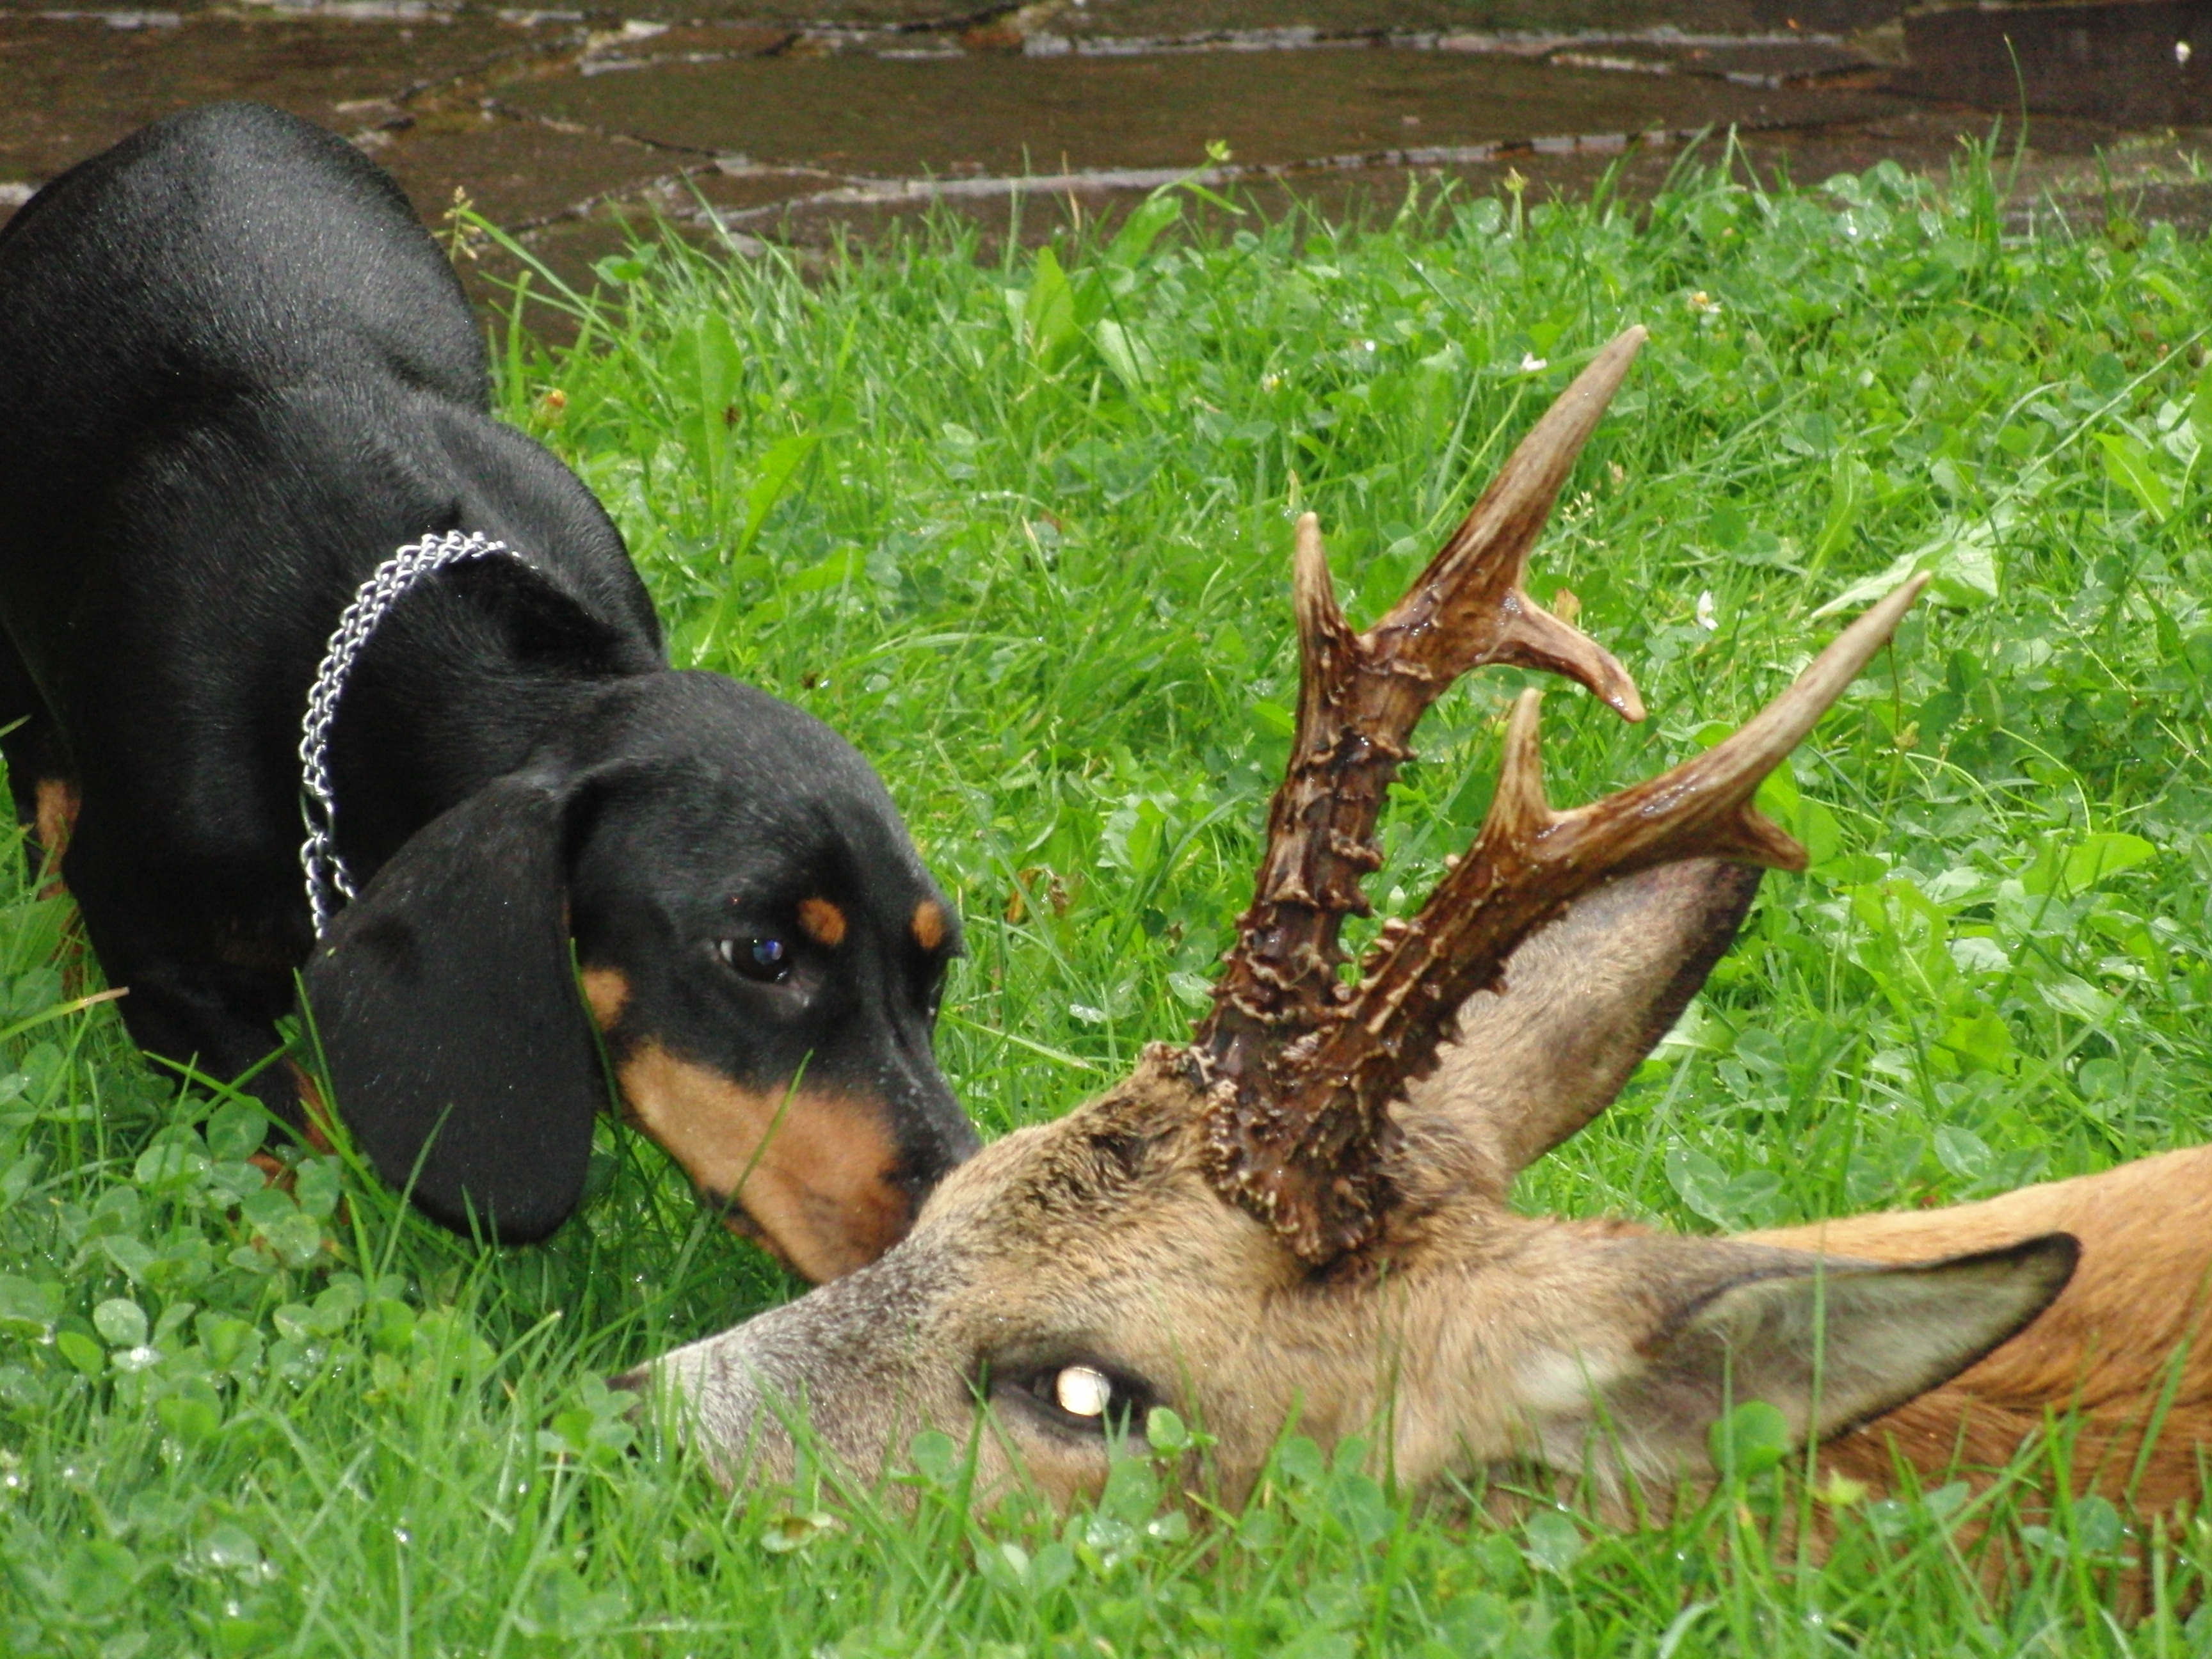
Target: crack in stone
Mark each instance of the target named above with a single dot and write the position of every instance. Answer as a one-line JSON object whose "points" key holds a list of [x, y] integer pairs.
{"points": [[859, 190]]}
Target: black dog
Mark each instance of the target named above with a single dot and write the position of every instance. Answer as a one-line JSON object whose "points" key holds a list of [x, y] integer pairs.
{"points": [[236, 375]]}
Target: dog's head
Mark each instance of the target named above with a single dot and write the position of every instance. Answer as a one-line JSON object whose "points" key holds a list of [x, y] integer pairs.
{"points": [[760, 950]]}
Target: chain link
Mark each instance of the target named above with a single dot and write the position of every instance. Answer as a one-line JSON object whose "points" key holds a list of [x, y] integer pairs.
{"points": [[373, 600]]}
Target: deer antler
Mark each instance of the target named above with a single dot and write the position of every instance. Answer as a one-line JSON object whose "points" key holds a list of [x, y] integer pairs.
{"points": [[1302, 1070], [1319, 1187], [1360, 696]]}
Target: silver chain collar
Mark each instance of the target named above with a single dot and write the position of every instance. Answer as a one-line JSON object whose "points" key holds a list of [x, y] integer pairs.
{"points": [[372, 602]]}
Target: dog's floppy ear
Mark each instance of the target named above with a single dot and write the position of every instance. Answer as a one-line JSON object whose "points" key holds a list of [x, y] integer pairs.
{"points": [[458, 1049]]}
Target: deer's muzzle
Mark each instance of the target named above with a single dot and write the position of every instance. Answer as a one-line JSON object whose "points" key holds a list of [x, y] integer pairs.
{"points": [[838, 1370]]}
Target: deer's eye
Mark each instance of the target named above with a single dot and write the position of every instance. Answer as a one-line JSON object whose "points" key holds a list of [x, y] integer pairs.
{"points": [[1082, 1391], [1079, 1396]]}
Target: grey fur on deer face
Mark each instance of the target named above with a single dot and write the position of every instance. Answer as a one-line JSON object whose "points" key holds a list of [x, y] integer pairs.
{"points": [[1090, 1242]]}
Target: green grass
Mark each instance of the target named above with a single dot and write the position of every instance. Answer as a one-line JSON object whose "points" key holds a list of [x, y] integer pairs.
{"points": [[1021, 529]]}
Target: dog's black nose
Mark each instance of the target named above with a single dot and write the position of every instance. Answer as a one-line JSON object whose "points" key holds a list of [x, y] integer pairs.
{"points": [[938, 1137]]}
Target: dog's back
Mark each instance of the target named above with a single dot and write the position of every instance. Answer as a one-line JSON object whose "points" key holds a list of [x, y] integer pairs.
{"points": [[235, 373], [220, 288], [229, 240]]}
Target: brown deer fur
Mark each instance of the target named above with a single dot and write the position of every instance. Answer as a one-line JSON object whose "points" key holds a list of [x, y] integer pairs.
{"points": [[2121, 1350], [1304, 1216]]}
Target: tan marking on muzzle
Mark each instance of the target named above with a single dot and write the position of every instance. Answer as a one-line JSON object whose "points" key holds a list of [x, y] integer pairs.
{"points": [[606, 990], [810, 1167], [929, 924], [824, 921]]}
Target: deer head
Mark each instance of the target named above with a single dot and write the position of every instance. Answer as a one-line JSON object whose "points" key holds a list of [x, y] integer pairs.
{"points": [[1303, 1214]]}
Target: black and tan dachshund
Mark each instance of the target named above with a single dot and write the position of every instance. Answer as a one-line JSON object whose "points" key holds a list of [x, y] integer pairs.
{"points": [[236, 376]]}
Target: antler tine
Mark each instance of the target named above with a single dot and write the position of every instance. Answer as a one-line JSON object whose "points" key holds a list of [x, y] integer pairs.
{"points": [[1359, 698], [1701, 809], [1468, 608], [1311, 1166]]}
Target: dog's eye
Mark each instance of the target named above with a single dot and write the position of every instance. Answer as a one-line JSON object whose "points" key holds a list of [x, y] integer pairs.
{"points": [[764, 956]]}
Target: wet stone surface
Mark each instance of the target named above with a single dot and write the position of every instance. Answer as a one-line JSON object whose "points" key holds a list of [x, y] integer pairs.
{"points": [[969, 114], [758, 120], [1182, 19], [2145, 63], [70, 88]]}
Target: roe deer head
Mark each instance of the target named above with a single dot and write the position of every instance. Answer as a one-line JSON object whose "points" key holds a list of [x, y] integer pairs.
{"points": [[1303, 1214]]}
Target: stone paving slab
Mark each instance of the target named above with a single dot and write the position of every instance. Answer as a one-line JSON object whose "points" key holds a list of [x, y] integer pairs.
{"points": [[2146, 64], [836, 14], [71, 88], [513, 172], [966, 114], [1170, 19], [1157, 18]]}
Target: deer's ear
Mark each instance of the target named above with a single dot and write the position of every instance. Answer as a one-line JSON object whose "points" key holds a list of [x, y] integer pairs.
{"points": [[1831, 1344], [1582, 1003], [445, 1004]]}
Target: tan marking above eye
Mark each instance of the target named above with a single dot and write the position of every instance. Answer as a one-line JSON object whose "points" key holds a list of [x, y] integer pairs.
{"points": [[607, 992], [813, 1170], [929, 924], [824, 921]]}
